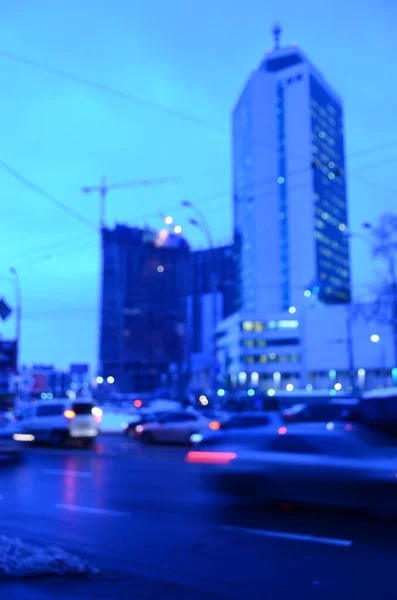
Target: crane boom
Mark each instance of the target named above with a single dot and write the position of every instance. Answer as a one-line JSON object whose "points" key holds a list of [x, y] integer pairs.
{"points": [[104, 188]]}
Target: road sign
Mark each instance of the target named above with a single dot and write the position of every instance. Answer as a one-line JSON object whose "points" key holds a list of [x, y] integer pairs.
{"points": [[5, 310]]}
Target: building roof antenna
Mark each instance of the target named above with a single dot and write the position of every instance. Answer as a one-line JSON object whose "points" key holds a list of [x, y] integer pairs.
{"points": [[276, 34]]}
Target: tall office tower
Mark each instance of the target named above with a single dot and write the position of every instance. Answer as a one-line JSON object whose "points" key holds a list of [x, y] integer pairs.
{"points": [[143, 326], [290, 205]]}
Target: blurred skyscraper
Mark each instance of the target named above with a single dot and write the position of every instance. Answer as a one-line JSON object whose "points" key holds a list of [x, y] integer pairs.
{"points": [[290, 205], [143, 328]]}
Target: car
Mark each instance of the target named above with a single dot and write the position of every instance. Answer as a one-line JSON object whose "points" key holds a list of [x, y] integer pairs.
{"points": [[11, 448], [236, 422], [305, 412], [141, 419], [175, 427], [60, 420], [6, 417], [340, 464]]}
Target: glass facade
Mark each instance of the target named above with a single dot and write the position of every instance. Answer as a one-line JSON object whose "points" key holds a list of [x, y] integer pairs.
{"points": [[143, 315], [284, 240], [330, 203]]}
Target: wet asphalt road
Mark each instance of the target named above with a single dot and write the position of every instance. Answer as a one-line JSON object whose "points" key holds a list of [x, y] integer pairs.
{"points": [[141, 511]]}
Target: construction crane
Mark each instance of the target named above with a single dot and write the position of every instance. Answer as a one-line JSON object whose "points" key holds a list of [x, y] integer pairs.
{"points": [[103, 188]]}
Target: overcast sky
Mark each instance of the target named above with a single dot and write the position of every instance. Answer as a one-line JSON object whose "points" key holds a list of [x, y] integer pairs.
{"points": [[190, 55]]}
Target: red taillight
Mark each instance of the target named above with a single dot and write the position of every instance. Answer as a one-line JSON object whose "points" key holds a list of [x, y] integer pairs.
{"points": [[138, 403], [69, 414], [220, 458], [214, 425]]}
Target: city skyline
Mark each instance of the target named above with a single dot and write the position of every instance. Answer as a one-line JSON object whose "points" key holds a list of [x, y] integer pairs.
{"points": [[93, 138]]}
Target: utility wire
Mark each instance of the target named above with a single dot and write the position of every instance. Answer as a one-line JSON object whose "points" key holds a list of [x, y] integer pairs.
{"points": [[103, 88], [38, 190]]}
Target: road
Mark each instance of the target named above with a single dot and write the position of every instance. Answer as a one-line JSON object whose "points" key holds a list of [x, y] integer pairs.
{"points": [[141, 512]]}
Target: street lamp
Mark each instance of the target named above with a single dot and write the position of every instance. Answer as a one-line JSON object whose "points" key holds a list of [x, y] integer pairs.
{"points": [[201, 223], [375, 339], [18, 293]]}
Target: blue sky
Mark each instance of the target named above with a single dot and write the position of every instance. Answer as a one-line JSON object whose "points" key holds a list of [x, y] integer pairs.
{"points": [[191, 55]]}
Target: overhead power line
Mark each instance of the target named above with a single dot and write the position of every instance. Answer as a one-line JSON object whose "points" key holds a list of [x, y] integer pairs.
{"points": [[38, 190]]}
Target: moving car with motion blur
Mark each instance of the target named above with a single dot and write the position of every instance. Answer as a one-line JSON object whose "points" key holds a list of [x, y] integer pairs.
{"points": [[176, 427], [61, 420], [340, 464], [236, 422], [317, 413]]}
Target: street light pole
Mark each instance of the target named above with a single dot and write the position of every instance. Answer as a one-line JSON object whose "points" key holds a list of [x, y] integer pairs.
{"points": [[202, 224]]}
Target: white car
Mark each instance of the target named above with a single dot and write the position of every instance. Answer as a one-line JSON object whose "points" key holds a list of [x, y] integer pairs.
{"points": [[58, 421], [175, 427]]}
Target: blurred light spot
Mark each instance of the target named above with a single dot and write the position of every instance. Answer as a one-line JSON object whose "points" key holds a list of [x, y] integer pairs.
{"points": [[289, 387], [69, 414], [375, 338], [282, 430], [71, 395], [23, 437], [292, 310], [361, 372], [160, 269], [99, 380], [348, 427], [221, 392], [280, 180], [43, 396], [307, 293], [331, 164], [210, 457], [138, 403], [203, 400], [338, 387], [330, 426], [139, 428], [251, 392], [341, 227], [196, 438], [332, 373], [110, 379], [271, 392], [321, 134], [242, 377], [332, 393], [254, 378], [331, 175], [309, 387], [214, 425], [168, 220], [178, 229]]}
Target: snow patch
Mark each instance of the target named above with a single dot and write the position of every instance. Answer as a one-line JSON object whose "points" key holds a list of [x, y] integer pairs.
{"points": [[20, 560]]}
